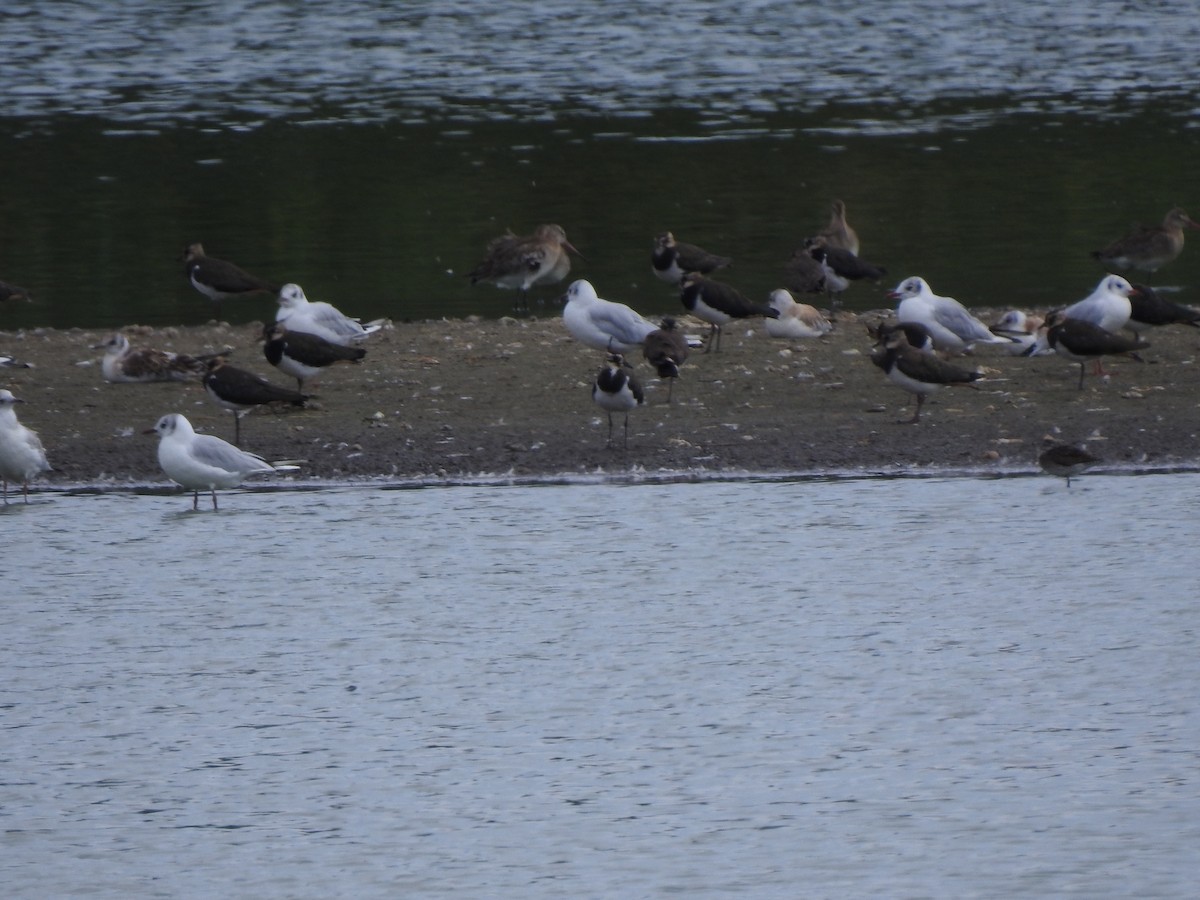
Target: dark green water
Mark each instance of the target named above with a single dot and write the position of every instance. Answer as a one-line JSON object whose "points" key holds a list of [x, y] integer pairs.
{"points": [[385, 220]]}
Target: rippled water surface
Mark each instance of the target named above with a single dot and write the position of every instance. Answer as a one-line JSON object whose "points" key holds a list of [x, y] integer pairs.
{"points": [[926, 687], [149, 62]]}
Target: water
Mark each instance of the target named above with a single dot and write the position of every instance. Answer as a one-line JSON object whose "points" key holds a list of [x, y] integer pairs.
{"points": [[369, 151], [923, 687]]}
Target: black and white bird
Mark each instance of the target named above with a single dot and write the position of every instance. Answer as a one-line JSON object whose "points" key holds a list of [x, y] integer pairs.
{"points": [[219, 280], [841, 267], [202, 462], [521, 262], [718, 304], [673, 259], [617, 390], [22, 456], [602, 324], [298, 313], [1066, 460], [1150, 309], [124, 364], [666, 349], [240, 391], [920, 372], [1082, 341], [304, 355], [953, 328]]}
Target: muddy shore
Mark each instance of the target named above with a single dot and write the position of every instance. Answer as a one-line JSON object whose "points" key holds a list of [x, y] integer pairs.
{"points": [[451, 400]]}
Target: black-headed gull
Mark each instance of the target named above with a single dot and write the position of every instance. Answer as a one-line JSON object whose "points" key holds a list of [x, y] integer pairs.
{"points": [[673, 259], [219, 280], [666, 349], [298, 313], [521, 262], [1065, 460], [202, 462], [304, 355], [920, 372], [22, 455], [1148, 247], [717, 304], [952, 328], [124, 364], [795, 320], [603, 324], [616, 390], [1108, 306]]}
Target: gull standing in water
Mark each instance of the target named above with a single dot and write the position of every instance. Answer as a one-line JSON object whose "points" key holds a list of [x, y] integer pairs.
{"points": [[22, 455], [201, 462], [602, 324], [298, 313], [520, 262]]}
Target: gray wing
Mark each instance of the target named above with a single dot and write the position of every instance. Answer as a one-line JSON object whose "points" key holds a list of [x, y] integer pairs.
{"points": [[952, 315], [328, 317], [622, 322], [212, 451]]}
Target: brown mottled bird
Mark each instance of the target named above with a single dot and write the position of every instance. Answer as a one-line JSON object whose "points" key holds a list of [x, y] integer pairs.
{"points": [[673, 259], [518, 263], [220, 280], [920, 372], [1149, 247], [838, 232], [666, 349], [123, 364]]}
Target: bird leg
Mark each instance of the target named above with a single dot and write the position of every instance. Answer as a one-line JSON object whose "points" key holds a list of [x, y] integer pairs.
{"points": [[1081, 369], [214, 499], [916, 415], [195, 500]]}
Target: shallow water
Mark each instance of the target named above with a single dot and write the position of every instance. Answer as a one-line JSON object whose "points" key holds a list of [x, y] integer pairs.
{"points": [[921, 687]]}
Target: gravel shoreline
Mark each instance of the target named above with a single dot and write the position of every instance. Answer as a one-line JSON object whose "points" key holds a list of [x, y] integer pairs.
{"points": [[509, 399]]}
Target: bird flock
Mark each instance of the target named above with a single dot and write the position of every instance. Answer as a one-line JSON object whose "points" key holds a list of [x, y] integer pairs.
{"points": [[914, 350]]}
